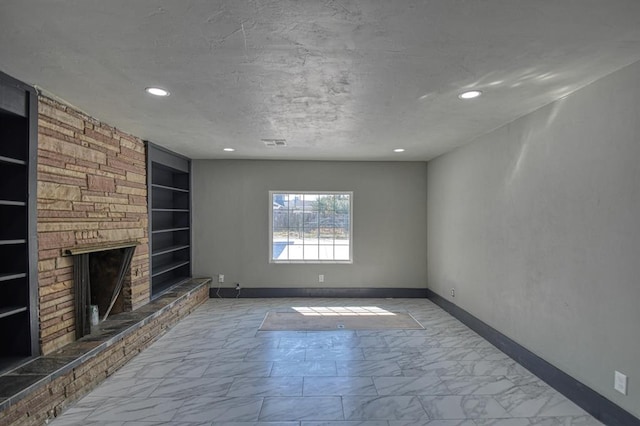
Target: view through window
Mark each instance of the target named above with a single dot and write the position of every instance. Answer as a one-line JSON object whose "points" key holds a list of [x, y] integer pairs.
{"points": [[311, 227]]}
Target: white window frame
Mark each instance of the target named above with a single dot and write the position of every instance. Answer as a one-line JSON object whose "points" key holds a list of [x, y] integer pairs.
{"points": [[313, 261]]}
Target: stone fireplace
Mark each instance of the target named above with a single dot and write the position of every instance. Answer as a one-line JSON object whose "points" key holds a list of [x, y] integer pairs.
{"points": [[92, 195], [99, 277], [93, 249]]}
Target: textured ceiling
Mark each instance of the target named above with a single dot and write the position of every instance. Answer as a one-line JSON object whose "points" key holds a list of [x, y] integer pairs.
{"points": [[339, 80]]}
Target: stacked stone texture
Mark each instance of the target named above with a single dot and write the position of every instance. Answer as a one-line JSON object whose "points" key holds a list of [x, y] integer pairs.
{"points": [[91, 190]]}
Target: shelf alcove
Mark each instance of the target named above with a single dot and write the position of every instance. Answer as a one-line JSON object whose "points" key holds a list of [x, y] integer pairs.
{"points": [[18, 252], [169, 183]]}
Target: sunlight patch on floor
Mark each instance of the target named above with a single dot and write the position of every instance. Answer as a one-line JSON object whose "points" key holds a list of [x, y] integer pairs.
{"points": [[327, 311]]}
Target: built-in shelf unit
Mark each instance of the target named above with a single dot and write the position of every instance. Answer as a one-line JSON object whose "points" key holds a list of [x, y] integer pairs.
{"points": [[18, 248], [169, 181]]}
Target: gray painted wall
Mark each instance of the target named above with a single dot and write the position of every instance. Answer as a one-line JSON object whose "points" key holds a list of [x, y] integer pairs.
{"points": [[231, 222], [537, 227]]}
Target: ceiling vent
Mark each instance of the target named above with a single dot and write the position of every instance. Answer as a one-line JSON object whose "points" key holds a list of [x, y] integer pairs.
{"points": [[274, 143]]}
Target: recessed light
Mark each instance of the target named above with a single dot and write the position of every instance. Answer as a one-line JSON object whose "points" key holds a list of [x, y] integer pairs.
{"points": [[398, 150], [228, 149], [470, 94], [157, 91]]}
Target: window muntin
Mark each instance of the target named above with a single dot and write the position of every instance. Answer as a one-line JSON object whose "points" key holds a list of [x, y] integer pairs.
{"points": [[310, 227]]}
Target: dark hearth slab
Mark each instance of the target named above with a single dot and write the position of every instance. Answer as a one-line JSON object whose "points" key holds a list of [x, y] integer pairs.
{"points": [[18, 382], [10, 384], [43, 366]]}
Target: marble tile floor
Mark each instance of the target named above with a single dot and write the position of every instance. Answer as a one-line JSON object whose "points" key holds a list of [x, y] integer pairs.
{"points": [[215, 368]]}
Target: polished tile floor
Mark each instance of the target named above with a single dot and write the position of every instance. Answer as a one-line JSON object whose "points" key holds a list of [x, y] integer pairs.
{"points": [[215, 368]]}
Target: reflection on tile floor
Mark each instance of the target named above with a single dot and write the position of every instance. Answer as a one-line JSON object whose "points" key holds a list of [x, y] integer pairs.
{"points": [[215, 368]]}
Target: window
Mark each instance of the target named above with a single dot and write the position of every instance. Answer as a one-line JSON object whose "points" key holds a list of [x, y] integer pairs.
{"points": [[310, 227]]}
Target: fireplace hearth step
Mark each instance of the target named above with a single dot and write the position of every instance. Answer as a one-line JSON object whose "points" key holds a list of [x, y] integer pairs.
{"points": [[30, 378]]}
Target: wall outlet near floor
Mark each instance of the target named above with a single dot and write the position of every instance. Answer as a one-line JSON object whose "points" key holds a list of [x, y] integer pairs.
{"points": [[453, 292], [321, 278], [620, 382], [220, 278]]}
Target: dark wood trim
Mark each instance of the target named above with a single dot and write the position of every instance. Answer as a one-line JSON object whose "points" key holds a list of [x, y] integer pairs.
{"points": [[260, 292], [149, 146], [100, 247], [161, 155], [191, 256], [32, 221], [592, 402], [16, 96]]}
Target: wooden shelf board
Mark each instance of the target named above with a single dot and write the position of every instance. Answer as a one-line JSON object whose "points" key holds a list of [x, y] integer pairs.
{"points": [[12, 203], [159, 231], [170, 249], [11, 310], [12, 276], [169, 188], [169, 267], [12, 242], [11, 160]]}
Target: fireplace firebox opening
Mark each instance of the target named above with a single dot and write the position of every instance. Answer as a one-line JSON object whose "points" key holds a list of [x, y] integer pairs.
{"points": [[99, 276]]}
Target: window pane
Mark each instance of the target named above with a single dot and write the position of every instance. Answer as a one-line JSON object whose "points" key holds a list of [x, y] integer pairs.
{"points": [[280, 251], [295, 202], [341, 252], [342, 203], [331, 203], [326, 252], [311, 236], [278, 201], [294, 235], [295, 252], [310, 252], [326, 234], [310, 202], [280, 218]]}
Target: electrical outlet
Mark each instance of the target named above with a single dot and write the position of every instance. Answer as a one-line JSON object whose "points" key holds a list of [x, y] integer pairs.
{"points": [[220, 278], [321, 278], [453, 292], [620, 382]]}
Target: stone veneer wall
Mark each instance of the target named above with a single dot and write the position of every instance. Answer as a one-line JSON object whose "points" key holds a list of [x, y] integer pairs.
{"points": [[91, 190]]}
